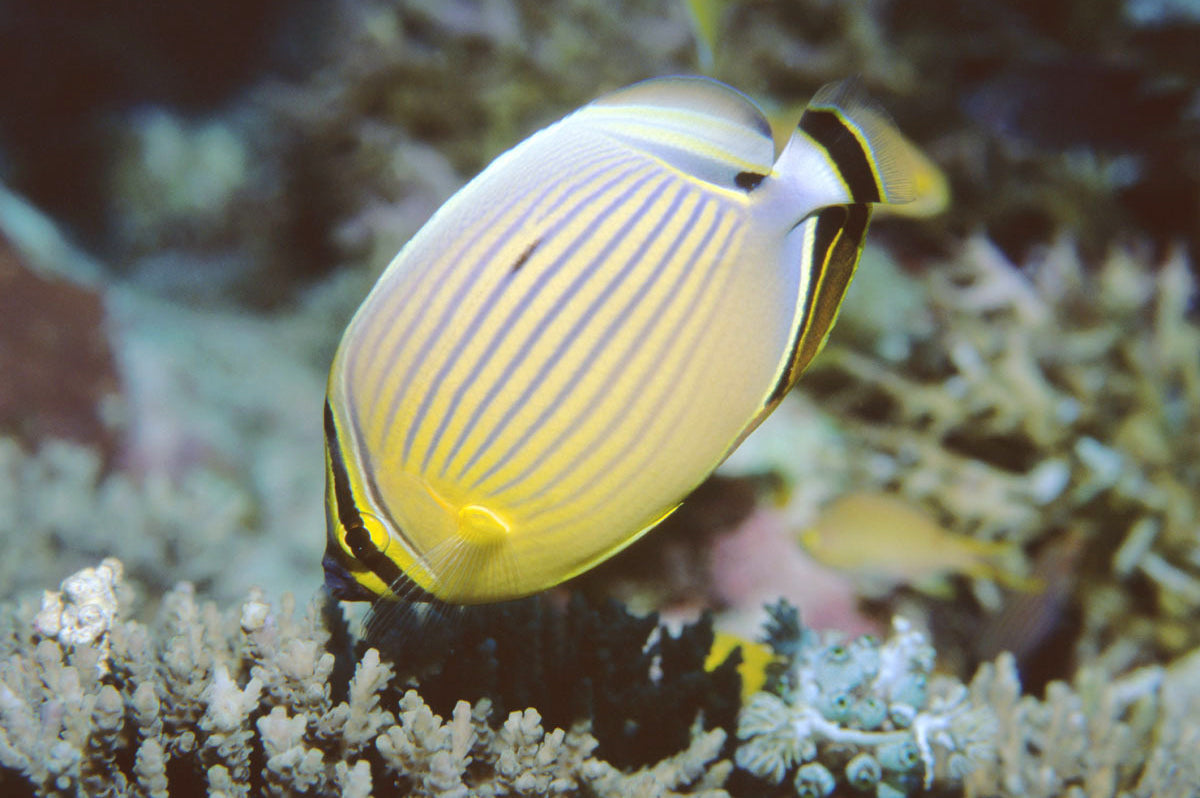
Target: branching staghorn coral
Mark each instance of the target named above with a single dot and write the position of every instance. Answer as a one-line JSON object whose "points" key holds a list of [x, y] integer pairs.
{"points": [[240, 704], [60, 505], [1098, 736]]}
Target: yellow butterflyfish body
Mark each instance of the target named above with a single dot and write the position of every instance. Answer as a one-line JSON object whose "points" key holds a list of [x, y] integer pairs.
{"points": [[582, 333]]}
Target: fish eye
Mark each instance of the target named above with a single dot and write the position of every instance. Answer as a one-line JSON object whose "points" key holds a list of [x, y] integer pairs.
{"points": [[368, 539]]}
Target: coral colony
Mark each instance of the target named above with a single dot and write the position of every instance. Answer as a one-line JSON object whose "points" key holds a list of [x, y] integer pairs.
{"points": [[251, 703], [241, 704], [864, 713]]}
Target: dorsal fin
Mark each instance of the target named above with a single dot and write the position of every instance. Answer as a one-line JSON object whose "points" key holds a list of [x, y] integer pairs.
{"points": [[696, 125]]}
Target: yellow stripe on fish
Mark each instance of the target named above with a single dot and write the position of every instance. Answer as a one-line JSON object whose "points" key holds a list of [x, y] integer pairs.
{"points": [[581, 334]]}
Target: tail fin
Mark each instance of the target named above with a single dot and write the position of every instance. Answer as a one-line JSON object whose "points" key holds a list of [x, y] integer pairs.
{"points": [[874, 160]]}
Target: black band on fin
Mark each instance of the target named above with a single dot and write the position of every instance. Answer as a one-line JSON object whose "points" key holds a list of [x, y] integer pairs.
{"points": [[347, 511], [830, 130]]}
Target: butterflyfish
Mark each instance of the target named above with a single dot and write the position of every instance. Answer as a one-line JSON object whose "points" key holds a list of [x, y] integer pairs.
{"points": [[583, 332], [705, 18]]}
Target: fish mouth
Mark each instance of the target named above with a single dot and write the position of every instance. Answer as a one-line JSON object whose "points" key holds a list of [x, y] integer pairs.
{"points": [[339, 581]]}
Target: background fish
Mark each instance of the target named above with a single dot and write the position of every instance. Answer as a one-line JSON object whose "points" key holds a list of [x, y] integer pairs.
{"points": [[887, 542], [581, 334], [705, 18]]}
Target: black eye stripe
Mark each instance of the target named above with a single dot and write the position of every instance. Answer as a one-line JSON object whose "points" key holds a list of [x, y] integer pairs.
{"points": [[358, 540], [347, 511], [830, 130]]}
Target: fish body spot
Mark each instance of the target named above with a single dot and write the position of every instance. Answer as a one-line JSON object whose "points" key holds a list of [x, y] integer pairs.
{"points": [[481, 527], [748, 181]]}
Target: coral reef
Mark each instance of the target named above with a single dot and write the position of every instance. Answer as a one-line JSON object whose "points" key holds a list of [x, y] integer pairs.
{"points": [[249, 702], [1057, 401], [240, 703], [56, 133], [863, 713], [163, 435], [872, 715], [640, 684], [51, 326], [62, 510], [1132, 735], [1033, 385], [334, 143]]}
